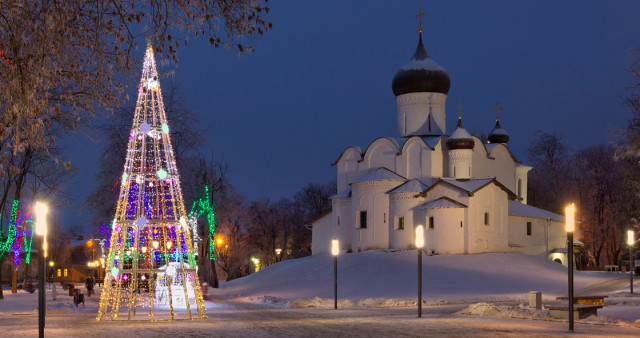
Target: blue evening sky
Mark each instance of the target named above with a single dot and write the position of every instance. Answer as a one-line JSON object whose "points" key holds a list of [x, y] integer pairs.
{"points": [[320, 81]]}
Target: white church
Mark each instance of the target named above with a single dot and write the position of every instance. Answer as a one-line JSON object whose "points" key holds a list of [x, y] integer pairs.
{"points": [[469, 194]]}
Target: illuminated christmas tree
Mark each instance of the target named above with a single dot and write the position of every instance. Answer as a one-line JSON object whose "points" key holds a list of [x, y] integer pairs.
{"points": [[151, 267]]}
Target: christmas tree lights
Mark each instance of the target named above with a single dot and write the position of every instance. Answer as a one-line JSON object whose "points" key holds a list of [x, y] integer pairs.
{"points": [[151, 270]]}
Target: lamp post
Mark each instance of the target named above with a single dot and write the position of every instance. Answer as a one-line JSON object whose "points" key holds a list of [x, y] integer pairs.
{"points": [[570, 227], [630, 241], [335, 250], [278, 257], [419, 246], [41, 210]]}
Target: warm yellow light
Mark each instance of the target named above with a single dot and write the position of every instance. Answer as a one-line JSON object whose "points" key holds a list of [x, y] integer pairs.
{"points": [[169, 244], [128, 252], [335, 247], [630, 237], [51, 263], [144, 249], [419, 237], [569, 212], [102, 261], [89, 243], [89, 264], [278, 251], [155, 244], [41, 210], [219, 240]]}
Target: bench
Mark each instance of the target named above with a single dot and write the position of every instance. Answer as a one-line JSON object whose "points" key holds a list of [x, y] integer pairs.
{"points": [[579, 311], [611, 268], [586, 300]]}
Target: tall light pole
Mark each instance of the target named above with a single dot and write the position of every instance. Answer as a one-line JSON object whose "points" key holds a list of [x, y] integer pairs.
{"points": [[335, 250], [570, 227], [419, 246], [631, 242], [41, 210]]}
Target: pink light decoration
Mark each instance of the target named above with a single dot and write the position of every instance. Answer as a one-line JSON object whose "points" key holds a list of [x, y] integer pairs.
{"points": [[125, 277]]}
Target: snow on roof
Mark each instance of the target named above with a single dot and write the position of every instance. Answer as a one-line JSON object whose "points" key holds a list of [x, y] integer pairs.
{"points": [[442, 202], [431, 141], [469, 185], [342, 194], [518, 209], [380, 174], [426, 64], [413, 185], [459, 133]]}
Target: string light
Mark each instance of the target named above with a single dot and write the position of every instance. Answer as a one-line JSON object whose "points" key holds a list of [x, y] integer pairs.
{"points": [[148, 214]]}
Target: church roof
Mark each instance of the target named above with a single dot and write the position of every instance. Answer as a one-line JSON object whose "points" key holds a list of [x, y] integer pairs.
{"points": [[442, 202], [518, 209], [471, 185], [413, 185], [460, 138], [346, 193], [421, 74], [380, 174], [498, 135]]}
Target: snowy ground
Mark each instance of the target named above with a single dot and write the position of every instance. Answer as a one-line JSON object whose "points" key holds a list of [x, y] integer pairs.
{"points": [[476, 295]]}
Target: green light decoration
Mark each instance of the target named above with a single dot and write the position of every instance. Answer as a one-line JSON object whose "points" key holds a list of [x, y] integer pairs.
{"points": [[162, 174], [203, 205], [11, 235], [124, 177], [165, 128]]}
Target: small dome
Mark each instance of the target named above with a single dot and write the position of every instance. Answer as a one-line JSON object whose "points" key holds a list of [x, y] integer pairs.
{"points": [[421, 74], [498, 135], [460, 139]]}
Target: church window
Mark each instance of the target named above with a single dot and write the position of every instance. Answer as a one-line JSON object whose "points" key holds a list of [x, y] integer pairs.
{"points": [[429, 119], [431, 223], [65, 272], [454, 171], [400, 223], [528, 228], [486, 218], [461, 224], [384, 218], [338, 220], [404, 124], [469, 171], [363, 219], [59, 273]]}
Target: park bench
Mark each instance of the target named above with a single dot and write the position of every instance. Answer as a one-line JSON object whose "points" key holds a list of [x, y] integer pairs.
{"points": [[586, 300], [579, 311]]}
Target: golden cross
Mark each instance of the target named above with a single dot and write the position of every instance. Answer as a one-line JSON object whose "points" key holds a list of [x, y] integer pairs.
{"points": [[419, 16], [497, 109], [459, 106]]}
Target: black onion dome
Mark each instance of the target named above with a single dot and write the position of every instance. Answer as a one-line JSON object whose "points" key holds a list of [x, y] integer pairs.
{"points": [[498, 135], [460, 139], [421, 74]]}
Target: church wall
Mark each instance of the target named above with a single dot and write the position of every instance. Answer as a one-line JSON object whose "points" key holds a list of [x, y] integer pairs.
{"points": [[447, 234], [421, 114], [372, 198], [348, 168], [403, 205], [343, 220], [491, 237], [381, 153], [500, 165], [322, 234], [546, 235], [522, 182]]}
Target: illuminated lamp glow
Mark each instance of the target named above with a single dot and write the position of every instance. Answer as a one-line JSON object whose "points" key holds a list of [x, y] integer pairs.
{"points": [[162, 174], [145, 128], [570, 211], [165, 128], [335, 247], [419, 237], [114, 271]]}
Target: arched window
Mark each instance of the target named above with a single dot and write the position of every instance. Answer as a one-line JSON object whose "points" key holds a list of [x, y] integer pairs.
{"points": [[520, 188]]}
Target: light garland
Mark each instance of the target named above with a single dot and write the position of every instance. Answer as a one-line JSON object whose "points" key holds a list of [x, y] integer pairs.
{"points": [[203, 205], [147, 238]]}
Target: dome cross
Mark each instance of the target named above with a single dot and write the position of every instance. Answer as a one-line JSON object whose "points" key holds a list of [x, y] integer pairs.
{"points": [[497, 109], [419, 16], [459, 106]]}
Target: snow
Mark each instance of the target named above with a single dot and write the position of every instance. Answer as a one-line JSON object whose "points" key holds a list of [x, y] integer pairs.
{"points": [[342, 194], [484, 294], [518, 209], [469, 185], [380, 174], [427, 64], [442, 202], [460, 133], [413, 185]]}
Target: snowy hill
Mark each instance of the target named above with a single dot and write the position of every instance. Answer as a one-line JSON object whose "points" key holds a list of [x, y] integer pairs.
{"points": [[393, 275]]}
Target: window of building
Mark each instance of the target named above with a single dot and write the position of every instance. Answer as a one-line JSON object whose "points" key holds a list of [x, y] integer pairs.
{"points": [[461, 224], [384, 218], [363, 219], [486, 218], [429, 118], [65, 272], [338, 220], [519, 188], [431, 223], [400, 223], [59, 272], [528, 228]]}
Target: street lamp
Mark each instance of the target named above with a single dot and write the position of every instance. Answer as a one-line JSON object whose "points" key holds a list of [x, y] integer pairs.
{"points": [[419, 246], [570, 227], [631, 242], [335, 250], [41, 210]]}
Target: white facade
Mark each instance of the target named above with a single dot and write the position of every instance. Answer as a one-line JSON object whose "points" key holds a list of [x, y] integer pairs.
{"points": [[470, 195]]}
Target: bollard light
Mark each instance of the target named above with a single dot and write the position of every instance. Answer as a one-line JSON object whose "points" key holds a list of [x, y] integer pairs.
{"points": [[419, 237], [570, 217], [335, 251], [335, 247], [41, 210], [278, 251], [631, 241], [630, 237]]}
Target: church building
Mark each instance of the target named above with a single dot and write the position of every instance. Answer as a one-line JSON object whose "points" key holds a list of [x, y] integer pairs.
{"points": [[469, 194]]}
